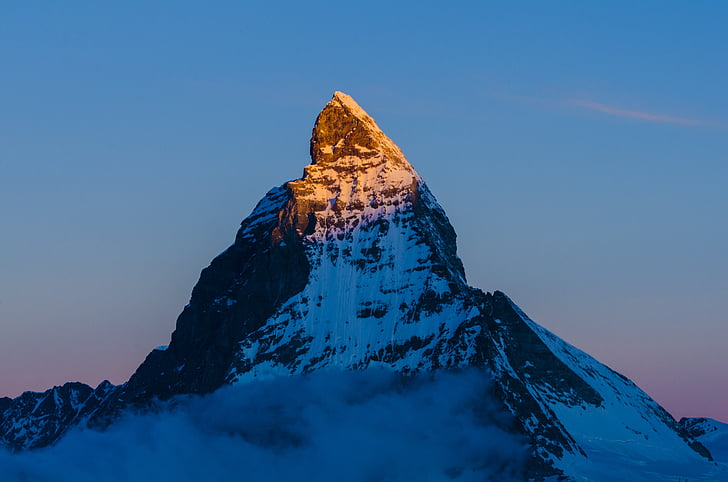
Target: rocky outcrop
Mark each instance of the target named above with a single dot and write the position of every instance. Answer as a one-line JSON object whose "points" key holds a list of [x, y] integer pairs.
{"points": [[711, 435]]}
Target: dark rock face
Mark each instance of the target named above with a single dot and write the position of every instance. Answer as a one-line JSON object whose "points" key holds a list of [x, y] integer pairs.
{"points": [[240, 289], [355, 265]]}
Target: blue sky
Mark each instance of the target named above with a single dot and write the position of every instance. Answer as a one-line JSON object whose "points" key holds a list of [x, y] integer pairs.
{"points": [[579, 148]]}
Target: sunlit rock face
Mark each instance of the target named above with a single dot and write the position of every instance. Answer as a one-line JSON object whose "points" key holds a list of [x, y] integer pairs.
{"points": [[355, 266]]}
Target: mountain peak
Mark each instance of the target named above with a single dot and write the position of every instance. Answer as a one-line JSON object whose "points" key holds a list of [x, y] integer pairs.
{"points": [[357, 173], [344, 129]]}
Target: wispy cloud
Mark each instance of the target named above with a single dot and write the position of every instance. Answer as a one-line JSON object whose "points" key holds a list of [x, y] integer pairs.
{"points": [[555, 101], [607, 109]]}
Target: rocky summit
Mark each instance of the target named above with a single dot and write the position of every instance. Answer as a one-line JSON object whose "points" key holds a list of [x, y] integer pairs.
{"points": [[354, 266]]}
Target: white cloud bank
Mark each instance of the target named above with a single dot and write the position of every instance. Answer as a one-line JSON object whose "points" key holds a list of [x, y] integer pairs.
{"points": [[352, 426]]}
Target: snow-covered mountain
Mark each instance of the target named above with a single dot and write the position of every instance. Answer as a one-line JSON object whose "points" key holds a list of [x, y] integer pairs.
{"points": [[355, 266]]}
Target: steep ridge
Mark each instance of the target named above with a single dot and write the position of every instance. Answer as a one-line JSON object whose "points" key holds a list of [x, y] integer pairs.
{"points": [[354, 266]]}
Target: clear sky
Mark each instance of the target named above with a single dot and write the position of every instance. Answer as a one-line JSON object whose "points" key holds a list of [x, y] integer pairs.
{"points": [[579, 148]]}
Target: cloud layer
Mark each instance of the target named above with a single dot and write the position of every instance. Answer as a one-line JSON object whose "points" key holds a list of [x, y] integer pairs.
{"points": [[353, 426]]}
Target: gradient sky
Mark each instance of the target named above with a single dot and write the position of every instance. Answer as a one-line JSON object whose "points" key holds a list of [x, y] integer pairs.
{"points": [[579, 148]]}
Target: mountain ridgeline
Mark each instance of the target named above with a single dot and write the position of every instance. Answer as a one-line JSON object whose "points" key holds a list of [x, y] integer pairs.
{"points": [[354, 266]]}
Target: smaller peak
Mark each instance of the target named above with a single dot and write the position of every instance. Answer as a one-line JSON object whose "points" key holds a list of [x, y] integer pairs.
{"points": [[105, 385]]}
